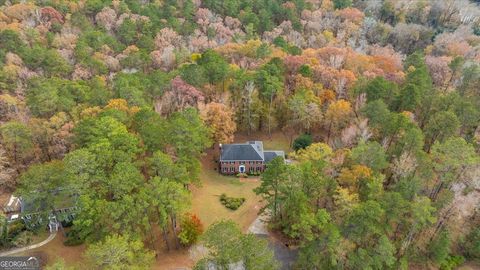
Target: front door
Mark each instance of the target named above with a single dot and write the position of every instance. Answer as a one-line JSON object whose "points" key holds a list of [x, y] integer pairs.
{"points": [[241, 168]]}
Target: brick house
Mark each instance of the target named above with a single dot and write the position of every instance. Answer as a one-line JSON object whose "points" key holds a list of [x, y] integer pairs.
{"points": [[246, 157]]}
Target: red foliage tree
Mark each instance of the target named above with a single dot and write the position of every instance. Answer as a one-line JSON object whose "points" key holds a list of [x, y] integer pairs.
{"points": [[180, 96], [186, 93], [51, 15]]}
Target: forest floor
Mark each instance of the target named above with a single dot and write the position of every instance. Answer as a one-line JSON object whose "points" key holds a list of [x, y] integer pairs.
{"points": [[471, 265], [4, 197], [49, 253]]}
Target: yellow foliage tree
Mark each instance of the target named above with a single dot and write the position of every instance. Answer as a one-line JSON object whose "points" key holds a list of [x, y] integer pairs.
{"points": [[328, 35], [350, 178], [344, 201], [219, 118], [314, 152], [337, 115], [121, 105], [90, 112], [195, 56], [19, 11]]}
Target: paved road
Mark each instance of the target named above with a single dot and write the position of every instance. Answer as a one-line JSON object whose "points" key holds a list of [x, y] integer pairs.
{"points": [[258, 226], [283, 254], [23, 249]]}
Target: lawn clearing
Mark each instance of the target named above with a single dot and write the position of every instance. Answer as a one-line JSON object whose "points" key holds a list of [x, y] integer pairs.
{"points": [[278, 140], [206, 198]]}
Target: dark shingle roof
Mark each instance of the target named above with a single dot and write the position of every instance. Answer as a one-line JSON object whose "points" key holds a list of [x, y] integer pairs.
{"points": [[62, 199], [252, 150], [269, 155], [244, 151]]}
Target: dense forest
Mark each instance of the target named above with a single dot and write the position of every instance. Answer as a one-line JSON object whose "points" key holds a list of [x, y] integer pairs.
{"points": [[113, 103]]}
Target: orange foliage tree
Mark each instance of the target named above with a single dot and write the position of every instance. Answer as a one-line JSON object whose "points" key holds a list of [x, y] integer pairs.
{"points": [[191, 229], [219, 118], [337, 115]]}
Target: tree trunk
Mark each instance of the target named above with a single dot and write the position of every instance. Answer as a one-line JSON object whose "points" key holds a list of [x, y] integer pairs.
{"points": [[275, 204], [15, 158], [153, 238], [270, 117], [317, 204], [435, 190], [174, 225], [448, 83], [165, 237], [406, 243], [441, 222], [249, 118], [432, 140], [164, 230], [329, 130]]}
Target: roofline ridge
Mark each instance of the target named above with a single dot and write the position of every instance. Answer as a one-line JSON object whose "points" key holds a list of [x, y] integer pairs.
{"points": [[257, 150], [229, 149]]}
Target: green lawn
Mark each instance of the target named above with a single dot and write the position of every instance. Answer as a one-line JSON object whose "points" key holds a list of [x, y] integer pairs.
{"points": [[206, 202], [278, 141]]}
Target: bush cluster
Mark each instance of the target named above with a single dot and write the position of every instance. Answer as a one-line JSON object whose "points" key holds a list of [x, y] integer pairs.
{"points": [[242, 175], [231, 202], [452, 262], [73, 239]]}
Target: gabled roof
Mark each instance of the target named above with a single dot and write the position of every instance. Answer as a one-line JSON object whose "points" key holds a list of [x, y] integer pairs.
{"points": [[252, 150], [62, 199], [269, 155]]}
